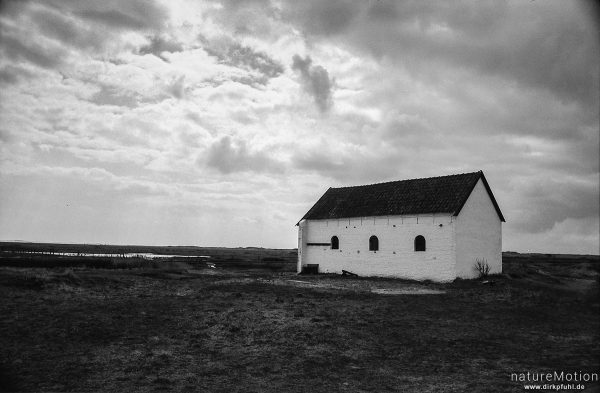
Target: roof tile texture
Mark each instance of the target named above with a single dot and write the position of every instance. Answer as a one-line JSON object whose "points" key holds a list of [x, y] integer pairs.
{"points": [[444, 194]]}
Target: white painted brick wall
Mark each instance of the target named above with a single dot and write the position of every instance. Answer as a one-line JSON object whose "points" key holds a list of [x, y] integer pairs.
{"points": [[396, 256], [478, 234], [301, 245]]}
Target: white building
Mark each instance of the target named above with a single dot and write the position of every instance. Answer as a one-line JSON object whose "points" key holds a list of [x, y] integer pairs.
{"points": [[435, 228]]}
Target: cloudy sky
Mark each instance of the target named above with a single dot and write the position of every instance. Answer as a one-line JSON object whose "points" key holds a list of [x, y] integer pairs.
{"points": [[221, 123]]}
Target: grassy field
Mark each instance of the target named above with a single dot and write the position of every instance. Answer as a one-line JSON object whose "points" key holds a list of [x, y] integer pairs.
{"points": [[21, 254], [183, 327]]}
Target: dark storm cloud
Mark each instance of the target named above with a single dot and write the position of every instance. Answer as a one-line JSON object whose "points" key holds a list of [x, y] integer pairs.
{"points": [[233, 53], [113, 18], [545, 45], [492, 107], [228, 156], [64, 14], [10, 74], [64, 28], [22, 49], [324, 17], [160, 44], [315, 80], [254, 60], [549, 202], [62, 24], [134, 14]]}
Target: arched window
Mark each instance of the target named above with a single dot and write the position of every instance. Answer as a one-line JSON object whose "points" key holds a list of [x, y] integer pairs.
{"points": [[335, 243], [419, 243], [373, 243]]}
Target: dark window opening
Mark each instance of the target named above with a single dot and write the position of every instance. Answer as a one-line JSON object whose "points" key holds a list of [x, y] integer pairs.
{"points": [[335, 243], [373, 243], [419, 243]]}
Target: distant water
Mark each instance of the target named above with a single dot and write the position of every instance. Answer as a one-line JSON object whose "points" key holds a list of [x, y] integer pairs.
{"points": [[143, 255]]}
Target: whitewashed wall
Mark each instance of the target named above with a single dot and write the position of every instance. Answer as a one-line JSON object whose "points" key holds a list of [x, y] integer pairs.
{"points": [[396, 256], [478, 234]]}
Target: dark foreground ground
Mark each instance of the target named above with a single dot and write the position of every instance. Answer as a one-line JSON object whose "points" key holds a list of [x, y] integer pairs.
{"points": [[191, 328]]}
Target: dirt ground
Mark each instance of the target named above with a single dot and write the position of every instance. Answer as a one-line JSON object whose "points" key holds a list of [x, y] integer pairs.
{"points": [[216, 330]]}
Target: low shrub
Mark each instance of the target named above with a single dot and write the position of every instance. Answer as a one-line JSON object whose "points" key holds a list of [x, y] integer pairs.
{"points": [[482, 267]]}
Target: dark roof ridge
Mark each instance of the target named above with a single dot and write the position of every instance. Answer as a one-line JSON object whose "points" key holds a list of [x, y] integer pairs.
{"points": [[447, 194], [398, 181]]}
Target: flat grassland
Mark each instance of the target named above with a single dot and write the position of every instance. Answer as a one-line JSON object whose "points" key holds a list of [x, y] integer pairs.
{"points": [[188, 327]]}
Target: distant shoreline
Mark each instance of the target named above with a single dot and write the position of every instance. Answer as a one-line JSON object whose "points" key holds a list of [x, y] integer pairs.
{"points": [[21, 245]]}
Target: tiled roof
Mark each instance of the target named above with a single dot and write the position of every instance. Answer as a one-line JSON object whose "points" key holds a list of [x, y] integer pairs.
{"points": [[444, 194]]}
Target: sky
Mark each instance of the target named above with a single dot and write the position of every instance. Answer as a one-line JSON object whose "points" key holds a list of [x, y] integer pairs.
{"points": [[220, 123]]}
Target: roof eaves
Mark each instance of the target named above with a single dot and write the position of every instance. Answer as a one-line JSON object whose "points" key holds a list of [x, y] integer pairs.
{"points": [[491, 194], [313, 206]]}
